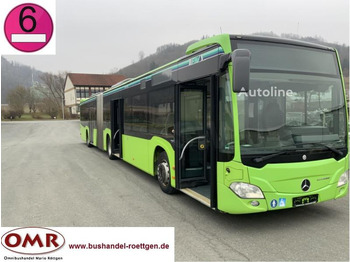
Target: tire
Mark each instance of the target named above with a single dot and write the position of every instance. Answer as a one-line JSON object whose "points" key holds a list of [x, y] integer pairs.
{"points": [[109, 149], [163, 174], [88, 140]]}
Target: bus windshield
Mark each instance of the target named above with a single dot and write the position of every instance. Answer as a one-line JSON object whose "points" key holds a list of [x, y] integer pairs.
{"points": [[295, 98]]}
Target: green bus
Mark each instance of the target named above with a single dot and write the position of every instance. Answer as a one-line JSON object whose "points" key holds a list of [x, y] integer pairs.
{"points": [[242, 124]]}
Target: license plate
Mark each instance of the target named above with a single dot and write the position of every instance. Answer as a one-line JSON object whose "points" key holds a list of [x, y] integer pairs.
{"points": [[305, 200]]}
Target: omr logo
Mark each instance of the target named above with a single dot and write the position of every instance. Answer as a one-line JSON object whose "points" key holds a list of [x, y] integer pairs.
{"points": [[32, 240]]}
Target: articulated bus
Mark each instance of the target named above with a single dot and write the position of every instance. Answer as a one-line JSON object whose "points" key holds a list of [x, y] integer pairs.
{"points": [[243, 124]]}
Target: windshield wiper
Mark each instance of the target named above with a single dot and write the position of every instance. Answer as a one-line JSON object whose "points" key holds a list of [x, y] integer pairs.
{"points": [[267, 157], [337, 151]]}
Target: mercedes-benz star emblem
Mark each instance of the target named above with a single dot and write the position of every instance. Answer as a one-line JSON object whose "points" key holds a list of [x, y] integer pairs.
{"points": [[305, 185]]}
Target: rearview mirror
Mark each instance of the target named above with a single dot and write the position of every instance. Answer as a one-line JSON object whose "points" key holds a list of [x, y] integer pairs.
{"points": [[241, 69]]}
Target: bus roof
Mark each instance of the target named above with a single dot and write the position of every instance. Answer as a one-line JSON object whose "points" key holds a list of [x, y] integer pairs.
{"points": [[200, 46], [279, 40]]}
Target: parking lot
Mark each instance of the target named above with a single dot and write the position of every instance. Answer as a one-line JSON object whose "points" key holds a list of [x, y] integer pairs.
{"points": [[50, 178]]}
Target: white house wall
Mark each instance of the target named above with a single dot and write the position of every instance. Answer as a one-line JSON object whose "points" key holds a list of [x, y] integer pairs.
{"points": [[70, 95]]}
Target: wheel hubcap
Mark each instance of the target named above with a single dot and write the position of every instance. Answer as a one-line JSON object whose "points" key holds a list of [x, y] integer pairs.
{"points": [[163, 173]]}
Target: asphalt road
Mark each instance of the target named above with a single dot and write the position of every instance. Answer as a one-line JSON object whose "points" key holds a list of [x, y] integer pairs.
{"points": [[50, 178]]}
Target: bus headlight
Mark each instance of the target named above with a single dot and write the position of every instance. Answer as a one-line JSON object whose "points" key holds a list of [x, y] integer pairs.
{"points": [[343, 179], [244, 190]]}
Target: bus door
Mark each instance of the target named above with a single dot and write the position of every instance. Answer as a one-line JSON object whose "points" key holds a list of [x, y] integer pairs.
{"points": [[192, 134], [92, 119], [117, 126]]}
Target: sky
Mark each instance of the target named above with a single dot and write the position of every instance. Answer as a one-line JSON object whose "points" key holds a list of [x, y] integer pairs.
{"points": [[104, 35]]}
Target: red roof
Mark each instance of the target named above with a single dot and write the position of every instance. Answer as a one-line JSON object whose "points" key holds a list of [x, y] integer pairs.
{"points": [[94, 79]]}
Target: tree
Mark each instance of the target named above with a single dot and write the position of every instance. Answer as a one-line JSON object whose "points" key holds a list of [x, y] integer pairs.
{"points": [[8, 114], [17, 99], [141, 55], [53, 89], [114, 70], [49, 107], [32, 99], [152, 65]]}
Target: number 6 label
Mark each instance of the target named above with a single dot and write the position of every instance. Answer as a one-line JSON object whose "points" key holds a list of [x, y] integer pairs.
{"points": [[28, 27]]}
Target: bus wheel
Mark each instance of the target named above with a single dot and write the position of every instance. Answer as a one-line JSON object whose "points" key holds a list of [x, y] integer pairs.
{"points": [[109, 149], [163, 174], [88, 140]]}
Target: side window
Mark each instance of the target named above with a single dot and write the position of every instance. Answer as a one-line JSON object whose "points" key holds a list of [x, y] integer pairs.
{"points": [[139, 113], [78, 92], [84, 114], [106, 110], [136, 113], [127, 114], [161, 111], [226, 134], [150, 113]]}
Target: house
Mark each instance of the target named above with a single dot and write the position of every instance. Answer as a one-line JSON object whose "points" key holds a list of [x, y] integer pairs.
{"points": [[79, 86]]}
